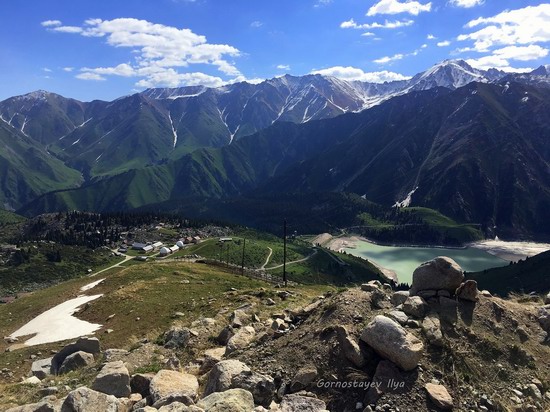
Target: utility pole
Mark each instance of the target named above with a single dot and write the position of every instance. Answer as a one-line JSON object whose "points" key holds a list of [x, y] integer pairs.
{"points": [[227, 254], [242, 262], [284, 254]]}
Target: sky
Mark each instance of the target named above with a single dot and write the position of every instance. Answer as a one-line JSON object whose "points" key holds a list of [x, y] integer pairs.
{"points": [[105, 49]]}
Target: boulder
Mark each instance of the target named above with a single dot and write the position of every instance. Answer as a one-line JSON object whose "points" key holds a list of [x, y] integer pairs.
{"points": [[42, 368], [76, 361], [386, 379], [88, 400], [210, 358], [369, 287], [279, 324], [238, 318], [225, 334], [232, 400], [393, 342], [42, 406], [222, 374], [174, 398], [140, 383], [262, 387], [178, 407], [303, 378], [298, 403], [241, 339], [415, 306], [543, 318], [439, 396], [88, 345], [439, 273], [399, 297], [547, 299], [468, 291], [426, 294], [33, 380], [431, 327], [399, 316], [113, 379], [177, 338], [169, 383], [350, 348]]}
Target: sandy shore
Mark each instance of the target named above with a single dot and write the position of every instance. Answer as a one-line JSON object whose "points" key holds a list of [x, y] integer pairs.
{"points": [[511, 251]]}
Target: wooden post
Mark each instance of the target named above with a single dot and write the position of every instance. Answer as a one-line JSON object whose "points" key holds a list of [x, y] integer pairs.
{"points": [[284, 254], [242, 261]]}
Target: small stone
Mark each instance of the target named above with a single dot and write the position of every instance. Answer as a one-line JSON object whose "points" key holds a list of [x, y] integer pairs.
{"points": [[439, 396], [415, 306], [303, 378]]}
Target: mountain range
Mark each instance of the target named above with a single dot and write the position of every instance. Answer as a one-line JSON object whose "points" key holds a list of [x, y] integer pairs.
{"points": [[472, 144]]}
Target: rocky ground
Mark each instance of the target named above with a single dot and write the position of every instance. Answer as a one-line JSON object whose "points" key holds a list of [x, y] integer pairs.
{"points": [[443, 345]]}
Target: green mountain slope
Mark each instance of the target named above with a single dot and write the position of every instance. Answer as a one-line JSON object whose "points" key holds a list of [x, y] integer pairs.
{"points": [[27, 171]]}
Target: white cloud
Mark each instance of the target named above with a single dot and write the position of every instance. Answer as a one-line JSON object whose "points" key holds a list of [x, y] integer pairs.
{"points": [[512, 27], [388, 59], [496, 62], [322, 3], [51, 23], [367, 34], [443, 43], [68, 29], [68, 69], [47, 70], [532, 52], [431, 37], [466, 3], [90, 76], [160, 50], [256, 24], [351, 24], [283, 67], [353, 73], [397, 7], [424, 46]]}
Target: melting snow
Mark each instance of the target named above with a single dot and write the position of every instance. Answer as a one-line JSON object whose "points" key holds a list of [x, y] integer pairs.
{"points": [[58, 323], [173, 130], [91, 285]]}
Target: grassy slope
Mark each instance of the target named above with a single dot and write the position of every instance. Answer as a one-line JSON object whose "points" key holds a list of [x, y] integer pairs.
{"points": [[528, 275], [151, 291]]}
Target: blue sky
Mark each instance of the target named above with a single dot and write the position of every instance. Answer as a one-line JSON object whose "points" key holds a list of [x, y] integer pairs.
{"points": [[104, 49]]}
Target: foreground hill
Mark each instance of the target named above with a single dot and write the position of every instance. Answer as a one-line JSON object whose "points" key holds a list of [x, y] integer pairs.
{"points": [[188, 330]]}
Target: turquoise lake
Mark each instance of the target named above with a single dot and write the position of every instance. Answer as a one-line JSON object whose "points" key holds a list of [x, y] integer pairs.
{"points": [[403, 260]]}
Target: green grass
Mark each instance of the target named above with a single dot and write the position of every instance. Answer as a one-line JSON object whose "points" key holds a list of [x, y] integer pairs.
{"points": [[10, 218], [528, 275]]}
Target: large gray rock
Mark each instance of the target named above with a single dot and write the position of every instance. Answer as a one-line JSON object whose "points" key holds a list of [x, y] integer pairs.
{"points": [[222, 374], [88, 345], [232, 400], [547, 299], [178, 407], [241, 339], [468, 291], [350, 348], [225, 334], [298, 403], [399, 316], [439, 273], [543, 318], [393, 342], [169, 383], [262, 387], [113, 379], [76, 361], [238, 318], [415, 306], [177, 338], [88, 400], [42, 368]]}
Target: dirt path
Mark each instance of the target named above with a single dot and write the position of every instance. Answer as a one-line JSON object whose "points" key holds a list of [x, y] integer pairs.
{"points": [[268, 257], [294, 261], [126, 259]]}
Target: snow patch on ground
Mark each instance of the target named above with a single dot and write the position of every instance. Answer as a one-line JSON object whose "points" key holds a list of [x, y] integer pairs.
{"points": [[91, 285], [58, 323]]}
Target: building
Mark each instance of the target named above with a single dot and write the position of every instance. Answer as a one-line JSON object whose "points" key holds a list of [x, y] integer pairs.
{"points": [[174, 249], [164, 251], [179, 244], [148, 249], [226, 239], [157, 245], [196, 239], [138, 246]]}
